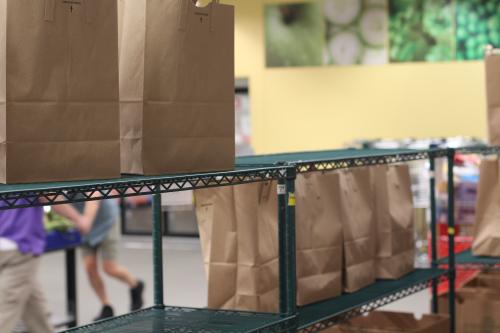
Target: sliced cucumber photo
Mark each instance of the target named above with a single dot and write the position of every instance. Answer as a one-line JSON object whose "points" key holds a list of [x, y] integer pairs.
{"points": [[375, 56], [342, 12], [373, 26], [345, 48], [382, 3]]}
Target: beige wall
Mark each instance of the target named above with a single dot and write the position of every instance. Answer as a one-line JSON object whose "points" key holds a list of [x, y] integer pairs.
{"points": [[325, 107]]}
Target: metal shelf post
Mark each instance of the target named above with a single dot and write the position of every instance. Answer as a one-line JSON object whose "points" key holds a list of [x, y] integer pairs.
{"points": [[451, 238], [283, 271], [290, 241], [432, 180], [157, 251]]}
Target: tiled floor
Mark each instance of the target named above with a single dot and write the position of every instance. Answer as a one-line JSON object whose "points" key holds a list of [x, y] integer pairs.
{"points": [[185, 283]]}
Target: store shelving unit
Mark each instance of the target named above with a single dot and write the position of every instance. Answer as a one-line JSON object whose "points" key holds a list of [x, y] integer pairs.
{"points": [[170, 320], [161, 318], [317, 317], [281, 167], [466, 260]]}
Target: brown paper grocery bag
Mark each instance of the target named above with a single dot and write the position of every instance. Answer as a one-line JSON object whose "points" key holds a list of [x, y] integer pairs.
{"points": [[395, 245], [238, 232], [478, 304], [392, 322], [358, 228], [477, 310], [59, 90], [217, 229], [487, 226], [492, 65], [254, 285], [258, 267], [319, 237], [176, 86]]}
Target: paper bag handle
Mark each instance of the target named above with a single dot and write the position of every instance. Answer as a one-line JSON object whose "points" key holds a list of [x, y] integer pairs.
{"points": [[185, 5], [50, 9]]}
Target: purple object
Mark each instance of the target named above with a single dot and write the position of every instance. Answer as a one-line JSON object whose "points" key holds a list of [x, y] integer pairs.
{"points": [[24, 227]]}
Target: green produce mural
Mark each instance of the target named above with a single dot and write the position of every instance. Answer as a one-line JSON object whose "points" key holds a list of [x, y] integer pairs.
{"points": [[477, 25], [337, 32], [348, 32], [421, 30], [294, 35]]}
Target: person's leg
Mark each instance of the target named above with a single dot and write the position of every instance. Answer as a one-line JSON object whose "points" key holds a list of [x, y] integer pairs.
{"points": [[91, 267], [17, 278], [109, 253], [35, 312]]}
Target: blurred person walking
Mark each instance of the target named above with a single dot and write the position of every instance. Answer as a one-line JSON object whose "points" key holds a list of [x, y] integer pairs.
{"points": [[102, 240], [22, 242]]}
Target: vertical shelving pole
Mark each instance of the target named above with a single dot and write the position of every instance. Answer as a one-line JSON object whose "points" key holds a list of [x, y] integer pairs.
{"points": [[283, 281], [451, 238], [432, 181], [157, 251], [286, 216], [291, 175]]}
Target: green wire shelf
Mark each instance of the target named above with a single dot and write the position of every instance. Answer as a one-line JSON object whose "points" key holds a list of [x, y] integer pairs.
{"points": [[319, 316], [466, 259], [339, 159], [38, 194], [187, 320]]}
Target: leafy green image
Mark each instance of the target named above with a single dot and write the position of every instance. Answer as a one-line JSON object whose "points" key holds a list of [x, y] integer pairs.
{"points": [[477, 25], [421, 30], [295, 35], [349, 32]]}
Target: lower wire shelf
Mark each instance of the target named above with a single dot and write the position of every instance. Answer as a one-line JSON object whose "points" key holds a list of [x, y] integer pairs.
{"points": [[318, 316], [177, 320], [467, 259]]}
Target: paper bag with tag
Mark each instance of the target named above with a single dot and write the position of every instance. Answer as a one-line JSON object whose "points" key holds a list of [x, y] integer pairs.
{"points": [[246, 264], [492, 67], [487, 226], [358, 228], [59, 115], [176, 86], [395, 244]]}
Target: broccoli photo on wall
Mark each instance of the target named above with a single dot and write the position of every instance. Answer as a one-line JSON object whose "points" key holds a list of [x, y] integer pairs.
{"points": [[477, 25], [421, 30]]}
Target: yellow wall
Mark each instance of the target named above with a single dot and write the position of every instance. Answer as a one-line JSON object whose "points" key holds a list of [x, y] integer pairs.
{"points": [[325, 107]]}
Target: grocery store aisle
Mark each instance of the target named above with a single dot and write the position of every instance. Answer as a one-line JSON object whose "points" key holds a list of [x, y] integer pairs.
{"points": [[185, 283]]}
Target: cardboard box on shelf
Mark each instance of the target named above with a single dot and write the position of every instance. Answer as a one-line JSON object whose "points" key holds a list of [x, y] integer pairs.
{"points": [[392, 322], [477, 304]]}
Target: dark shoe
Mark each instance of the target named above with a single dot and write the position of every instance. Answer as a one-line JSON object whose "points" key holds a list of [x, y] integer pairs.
{"points": [[136, 296], [106, 312]]}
